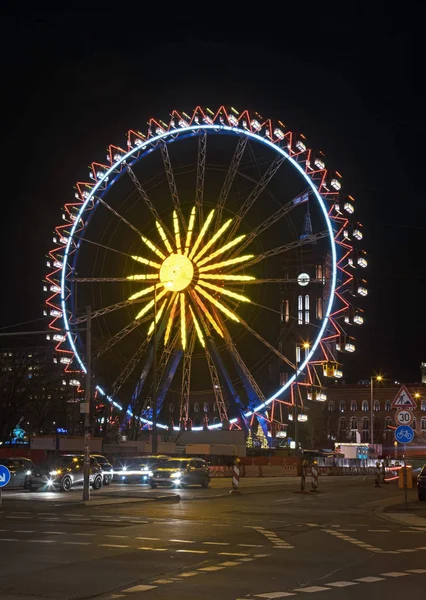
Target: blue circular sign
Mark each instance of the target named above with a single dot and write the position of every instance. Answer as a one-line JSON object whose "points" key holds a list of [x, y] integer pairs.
{"points": [[4, 476], [404, 434]]}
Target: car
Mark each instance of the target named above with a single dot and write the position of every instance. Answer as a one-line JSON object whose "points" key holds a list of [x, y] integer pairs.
{"points": [[421, 484], [137, 469], [63, 473], [20, 469], [181, 472], [106, 466]]}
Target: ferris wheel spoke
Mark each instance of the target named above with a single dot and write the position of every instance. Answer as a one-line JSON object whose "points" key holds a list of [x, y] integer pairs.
{"points": [[171, 181], [118, 215], [255, 193], [284, 248], [87, 241], [131, 365], [147, 201], [186, 378], [201, 171], [119, 336], [149, 276], [279, 214], [229, 179], [108, 309]]}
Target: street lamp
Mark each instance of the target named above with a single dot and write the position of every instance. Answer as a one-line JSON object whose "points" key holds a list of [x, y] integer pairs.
{"points": [[378, 378], [306, 346]]}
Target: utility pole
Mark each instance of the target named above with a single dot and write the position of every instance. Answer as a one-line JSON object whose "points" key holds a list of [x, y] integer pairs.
{"points": [[85, 407], [154, 445], [371, 413], [296, 391]]}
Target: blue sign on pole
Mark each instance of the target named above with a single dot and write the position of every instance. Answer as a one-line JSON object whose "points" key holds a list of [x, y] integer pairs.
{"points": [[4, 476], [404, 434]]}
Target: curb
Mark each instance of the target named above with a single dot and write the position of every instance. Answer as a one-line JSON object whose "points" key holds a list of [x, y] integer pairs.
{"points": [[172, 498], [381, 514]]}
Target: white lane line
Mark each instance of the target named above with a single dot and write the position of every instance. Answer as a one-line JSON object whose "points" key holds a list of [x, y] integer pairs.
{"points": [[86, 534], [416, 571], [229, 563], [113, 546], [347, 529], [370, 579], [149, 539], [188, 574], [379, 530], [246, 560], [183, 541], [231, 554], [211, 568], [52, 532], [140, 588], [42, 541], [24, 531], [312, 589], [275, 595], [152, 549], [407, 550], [16, 517], [78, 543], [394, 574], [9, 540], [341, 584], [261, 555], [410, 531], [250, 545], [217, 543], [117, 536], [193, 551], [164, 581]]}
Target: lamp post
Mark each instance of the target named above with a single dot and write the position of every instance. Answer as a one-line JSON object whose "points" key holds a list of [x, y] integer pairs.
{"points": [[378, 378], [154, 445], [306, 346]]}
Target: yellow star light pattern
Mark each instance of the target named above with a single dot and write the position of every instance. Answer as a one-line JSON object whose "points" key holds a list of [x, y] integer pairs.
{"points": [[186, 282]]}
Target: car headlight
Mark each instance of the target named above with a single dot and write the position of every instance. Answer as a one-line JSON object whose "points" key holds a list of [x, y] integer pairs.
{"points": [[176, 475], [53, 473], [28, 473], [150, 473], [49, 482], [124, 468]]}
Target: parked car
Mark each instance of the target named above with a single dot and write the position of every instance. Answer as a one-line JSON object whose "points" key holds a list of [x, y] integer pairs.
{"points": [[20, 469], [181, 472], [106, 466], [63, 473], [421, 484], [137, 469]]}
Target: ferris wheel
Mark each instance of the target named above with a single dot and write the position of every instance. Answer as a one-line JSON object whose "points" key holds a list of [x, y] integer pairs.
{"points": [[221, 264]]}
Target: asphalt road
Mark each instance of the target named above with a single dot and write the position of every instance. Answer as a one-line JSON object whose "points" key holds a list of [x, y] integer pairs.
{"points": [[270, 544]]}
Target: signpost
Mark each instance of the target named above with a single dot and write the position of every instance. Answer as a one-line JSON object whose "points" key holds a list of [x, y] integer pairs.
{"points": [[403, 399], [4, 479], [404, 417], [404, 434]]}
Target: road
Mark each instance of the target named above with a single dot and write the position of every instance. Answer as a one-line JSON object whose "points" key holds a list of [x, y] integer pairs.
{"points": [[270, 544]]}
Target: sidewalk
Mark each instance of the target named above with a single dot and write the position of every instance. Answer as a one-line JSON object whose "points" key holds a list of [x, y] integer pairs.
{"points": [[394, 510]]}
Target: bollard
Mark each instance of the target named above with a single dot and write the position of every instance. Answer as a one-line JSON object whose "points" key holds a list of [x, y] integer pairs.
{"points": [[314, 477], [303, 477], [236, 478], [378, 475]]}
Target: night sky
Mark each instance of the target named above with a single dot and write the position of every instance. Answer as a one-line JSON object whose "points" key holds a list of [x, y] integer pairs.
{"points": [[73, 83]]}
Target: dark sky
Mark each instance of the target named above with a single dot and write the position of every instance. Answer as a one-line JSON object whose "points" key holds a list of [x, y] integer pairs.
{"points": [[73, 83]]}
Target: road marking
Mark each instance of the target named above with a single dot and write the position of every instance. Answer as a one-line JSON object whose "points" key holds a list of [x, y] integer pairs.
{"points": [[183, 541], [347, 529], [261, 555], [230, 563], [117, 536], [218, 543], [52, 532], [148, 538], [354, 541], [113, 546], [9, 540], [394, 574], [250, 545], [188, 574], [140, 588], [231, 554], [273, 538], [87, 534], [417, 571], [311, 589], [379, 530], [211, 568], [154, 549], [42, 541], [410, 531], [275, 595], [369, 579], [341, 584], [407, 550], [78, 543], [194, 551], [246, 559], [163, 581], [26, 531]]}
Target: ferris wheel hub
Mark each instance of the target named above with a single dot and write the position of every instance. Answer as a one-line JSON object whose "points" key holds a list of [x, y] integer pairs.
{"points": [[176, 272]]}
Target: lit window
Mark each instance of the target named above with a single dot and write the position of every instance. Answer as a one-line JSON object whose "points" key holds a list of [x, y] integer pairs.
{"points": [[287, 311], [300, 310], [307, 308], [206, 407], [171, 407], [387, 405], [423, 405], [196, 407], [376, 405], [331, 406], [364, 405], [283, 378], [423, 424], [354, 423], [342, 406], [319, 308], [215, 408], [354, 406]]}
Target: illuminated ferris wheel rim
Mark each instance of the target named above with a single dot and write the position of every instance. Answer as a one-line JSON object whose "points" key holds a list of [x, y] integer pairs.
{"points": [[144, 149]]}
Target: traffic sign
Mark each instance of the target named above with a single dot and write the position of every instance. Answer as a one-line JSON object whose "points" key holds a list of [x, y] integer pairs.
{"points": [[404, 434], [404, 417], [4, 476], [403, 399]]}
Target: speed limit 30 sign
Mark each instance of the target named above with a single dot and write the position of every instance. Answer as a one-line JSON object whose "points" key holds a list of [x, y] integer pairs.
{"points": [[404, 417]]}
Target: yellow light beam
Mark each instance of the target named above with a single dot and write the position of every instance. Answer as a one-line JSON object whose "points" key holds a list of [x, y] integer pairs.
{"points": [[145, 261], [213, 240], [153, 247], [159, 313], [197, 328], [201, 234], [142, 277], [224, 291], [220, 250], [171, 318], [226, 263], [190, 230], [182, 321], [177, 233], [206, 312], [164, 237], [142, 292], [148, 306], [231, 278], [218, 304]]}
